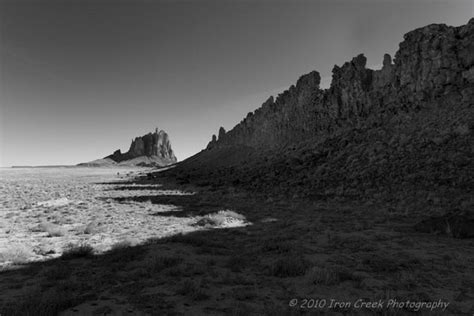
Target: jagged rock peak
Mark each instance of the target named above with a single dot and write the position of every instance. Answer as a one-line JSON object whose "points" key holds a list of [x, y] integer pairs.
{"points": [[155, 145], [221, 132], [434, 65]]}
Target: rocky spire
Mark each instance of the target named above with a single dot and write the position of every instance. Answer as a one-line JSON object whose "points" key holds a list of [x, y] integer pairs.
{"points": [[154, 145]]}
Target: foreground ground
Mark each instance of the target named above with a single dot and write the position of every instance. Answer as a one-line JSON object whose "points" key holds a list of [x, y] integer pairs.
{"points": [[295, 249]]}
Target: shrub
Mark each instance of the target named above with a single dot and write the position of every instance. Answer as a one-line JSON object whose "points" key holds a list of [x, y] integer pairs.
{"points": [[77, 251], [190, 289], [323, 276], [158, 264], [277, 245], [289, 266], [124, 244]]}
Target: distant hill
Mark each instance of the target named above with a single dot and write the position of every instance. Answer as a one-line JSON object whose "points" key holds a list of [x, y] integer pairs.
{"points": [[150, 150]]}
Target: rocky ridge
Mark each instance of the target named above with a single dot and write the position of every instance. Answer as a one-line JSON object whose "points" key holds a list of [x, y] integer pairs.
{"points": [[403, 132], [433, 66]]}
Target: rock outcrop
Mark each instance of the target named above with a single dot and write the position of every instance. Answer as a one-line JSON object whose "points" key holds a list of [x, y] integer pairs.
{"points": [[152, 149]]}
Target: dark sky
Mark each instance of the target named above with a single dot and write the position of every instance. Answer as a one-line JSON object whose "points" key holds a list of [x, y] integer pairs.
{"points": [[79, 79]]}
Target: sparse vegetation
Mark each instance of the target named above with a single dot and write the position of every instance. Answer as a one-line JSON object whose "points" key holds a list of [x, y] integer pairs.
{"points": [[329, 276], [77, 251], [157, 264], [121, 245], [278, 245], [191, 289], [289, 265], [278, 260], [40, 303]]}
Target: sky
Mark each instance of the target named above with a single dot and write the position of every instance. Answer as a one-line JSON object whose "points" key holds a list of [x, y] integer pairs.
{"points": [[80, 79]]}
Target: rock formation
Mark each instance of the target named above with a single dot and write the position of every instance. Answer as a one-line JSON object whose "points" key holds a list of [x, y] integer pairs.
{"points": [[152, 149], [434, 65], [404, 132]]}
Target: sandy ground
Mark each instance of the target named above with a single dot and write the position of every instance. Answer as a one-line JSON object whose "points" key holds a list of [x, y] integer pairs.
{"points": [[43, 211]]}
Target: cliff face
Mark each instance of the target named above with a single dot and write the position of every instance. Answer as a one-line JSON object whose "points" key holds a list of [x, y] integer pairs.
{"points": [[434, 65], [155, 145]]}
